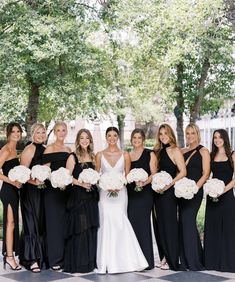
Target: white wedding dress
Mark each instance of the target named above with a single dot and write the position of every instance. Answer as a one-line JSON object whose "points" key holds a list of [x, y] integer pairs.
{"points": [[117, 248]]}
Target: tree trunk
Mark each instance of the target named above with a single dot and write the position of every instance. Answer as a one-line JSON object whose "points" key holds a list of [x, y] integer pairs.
{"points": [[195, 110], [33, 105], [179, 109], [121, 124]]}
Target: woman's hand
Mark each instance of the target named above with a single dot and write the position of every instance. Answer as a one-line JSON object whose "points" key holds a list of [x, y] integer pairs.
{"points": [[17, 184], [140, 183]]}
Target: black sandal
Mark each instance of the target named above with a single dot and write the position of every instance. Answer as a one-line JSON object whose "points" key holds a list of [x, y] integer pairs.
{"points": [[35, 268]]}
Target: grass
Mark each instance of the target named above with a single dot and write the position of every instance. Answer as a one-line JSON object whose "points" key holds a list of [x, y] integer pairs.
{"points": [[201, 218]]}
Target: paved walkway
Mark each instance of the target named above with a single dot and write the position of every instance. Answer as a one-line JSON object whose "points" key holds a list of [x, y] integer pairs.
{"points": [[148, 276]]}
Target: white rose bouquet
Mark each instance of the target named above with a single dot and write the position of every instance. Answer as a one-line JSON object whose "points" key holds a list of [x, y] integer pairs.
{"points": [[40, 172], [136, 175], [19, 173], [185, 188], [89, 176], [60, 178], [160, 180], [214, 188], [112, 182]]}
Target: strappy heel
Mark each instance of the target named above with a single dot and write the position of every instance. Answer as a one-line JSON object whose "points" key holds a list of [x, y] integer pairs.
{"points": [[8, 263]]}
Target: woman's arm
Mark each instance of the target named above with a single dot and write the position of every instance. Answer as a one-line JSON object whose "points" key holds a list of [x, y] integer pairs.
{"points": [[4, 155], [127, 162], [205, 166], [231, 184]]}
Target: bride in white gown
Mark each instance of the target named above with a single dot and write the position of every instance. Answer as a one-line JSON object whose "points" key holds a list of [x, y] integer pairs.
{"points": [[117, 248]]}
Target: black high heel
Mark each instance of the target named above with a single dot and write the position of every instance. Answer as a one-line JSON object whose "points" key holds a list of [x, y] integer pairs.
{"points": [[6, 262]]}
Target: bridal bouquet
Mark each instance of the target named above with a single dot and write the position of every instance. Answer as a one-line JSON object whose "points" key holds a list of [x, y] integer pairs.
{"points": [[214, 188], [135, 175], [89, 176], [40, 172], [60, 178], [112, 182], [185, 188], [160, 180], [19, 173]]}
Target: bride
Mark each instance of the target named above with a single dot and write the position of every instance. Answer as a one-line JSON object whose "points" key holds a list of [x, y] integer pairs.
{"points": [[117, 247]]}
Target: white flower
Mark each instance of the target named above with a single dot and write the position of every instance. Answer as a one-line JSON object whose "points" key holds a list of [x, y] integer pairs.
{"points": [[160, 180], [185, 188], [214, 187], [89, 176], [61, 178], [137, 174], [40, 172], [112, 181], [19, 173]]}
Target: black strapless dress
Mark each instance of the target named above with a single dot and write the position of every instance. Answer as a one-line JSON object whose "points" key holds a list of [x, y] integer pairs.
{"points": [[139, 209], [82, 224], [191, 255], [219, 233], [165, 216], [55, 212], [32, 241], [9, 195]]}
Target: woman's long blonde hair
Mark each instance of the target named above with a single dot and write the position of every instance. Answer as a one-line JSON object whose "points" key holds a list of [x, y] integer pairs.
{"points": [[170, 133], [196, 129], [59, 123], [90, 149]]}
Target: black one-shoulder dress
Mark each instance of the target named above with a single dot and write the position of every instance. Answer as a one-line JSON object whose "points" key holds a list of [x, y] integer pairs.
{"points": [[55, 212]]}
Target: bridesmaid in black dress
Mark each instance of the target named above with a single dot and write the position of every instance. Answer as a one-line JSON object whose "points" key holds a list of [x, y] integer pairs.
{"points": [[219, 232], [32, 246], [9, 195], [56, 155], [82, 210], [197, 160], [171, 160], [140, 204]]}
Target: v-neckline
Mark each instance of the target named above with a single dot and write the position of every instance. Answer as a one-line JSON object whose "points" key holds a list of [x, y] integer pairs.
{"points": [[109, 162]]}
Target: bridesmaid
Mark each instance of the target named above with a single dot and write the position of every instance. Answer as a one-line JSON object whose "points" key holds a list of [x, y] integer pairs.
{"points": [[197, 160], [56, 155], [140, 204], [9, 195], [32, 253], [171, 160], [82, 210], [219, 232]]}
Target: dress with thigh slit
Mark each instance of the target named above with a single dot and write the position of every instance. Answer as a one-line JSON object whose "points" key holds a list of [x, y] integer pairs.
{"points": [[9, 195]]}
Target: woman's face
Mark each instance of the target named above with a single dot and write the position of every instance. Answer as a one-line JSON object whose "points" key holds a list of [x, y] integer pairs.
{"points": [[39, 135], [164, 138], [15, 134], [112, 137], [191, 136], [84, 140], [218, 140], [60, 132], [137, 140]]}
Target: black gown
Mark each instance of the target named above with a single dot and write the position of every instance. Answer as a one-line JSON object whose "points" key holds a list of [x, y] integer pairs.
{"points": [[219, 233], [82, 225], [9, 195], [191, 255], [32, 241], [139, 209], [55, 212], [165, 216]]}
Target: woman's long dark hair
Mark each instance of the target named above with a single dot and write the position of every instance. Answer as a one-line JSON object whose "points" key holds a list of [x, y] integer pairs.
{"points": [[214, 149]]}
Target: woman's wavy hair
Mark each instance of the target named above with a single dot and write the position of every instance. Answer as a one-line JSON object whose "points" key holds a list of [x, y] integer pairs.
{"points": [[170, 133], [227, 147], [78, 148]]}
